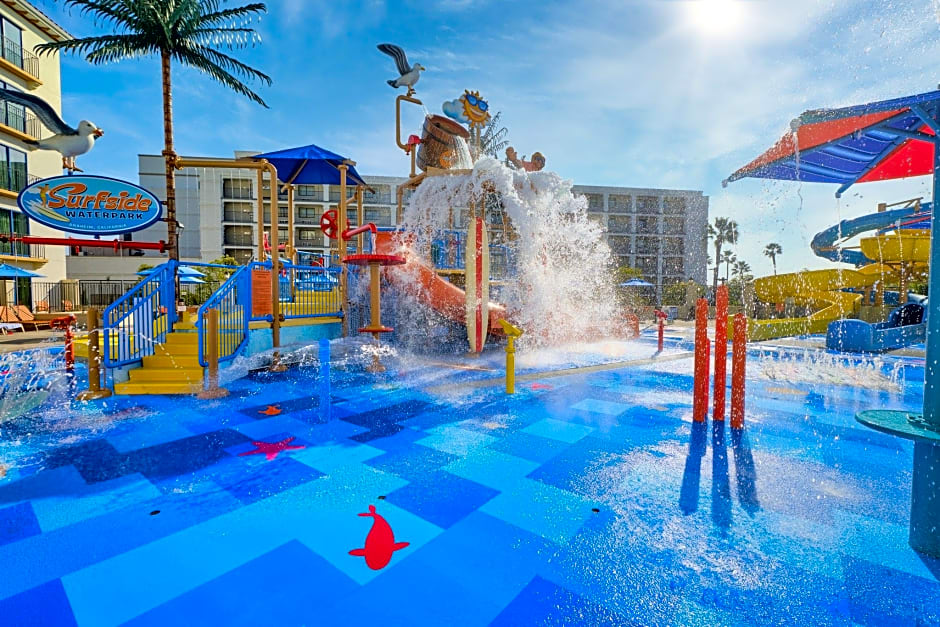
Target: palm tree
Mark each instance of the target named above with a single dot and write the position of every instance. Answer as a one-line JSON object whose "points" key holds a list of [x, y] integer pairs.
{"points": [[728, 258], [493, 139], [741, 269], [723, 231], [189, 32], [772, 250]]}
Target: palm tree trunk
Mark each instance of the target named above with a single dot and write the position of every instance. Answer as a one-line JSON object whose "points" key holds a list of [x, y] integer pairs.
{"points": [[717, 264], [170, 156], [773, 259]]}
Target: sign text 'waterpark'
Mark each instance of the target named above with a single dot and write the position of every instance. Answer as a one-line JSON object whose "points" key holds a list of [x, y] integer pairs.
{"points": [[91, 205]]}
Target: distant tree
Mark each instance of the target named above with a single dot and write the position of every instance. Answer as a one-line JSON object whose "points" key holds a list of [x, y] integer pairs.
{"points": [[493, 139], [722, 231], [728, 258], [772, 250], [625, 273], [742, 270]]}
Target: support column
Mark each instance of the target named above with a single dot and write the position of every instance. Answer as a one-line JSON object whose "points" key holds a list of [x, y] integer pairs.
{"points": [[931, 370]]}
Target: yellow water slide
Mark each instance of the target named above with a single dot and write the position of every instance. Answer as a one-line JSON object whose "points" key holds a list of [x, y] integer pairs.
{"points": [[902, 254]]}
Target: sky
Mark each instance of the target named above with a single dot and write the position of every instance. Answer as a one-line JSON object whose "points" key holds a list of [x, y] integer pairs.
{"points": [[641, 93]]}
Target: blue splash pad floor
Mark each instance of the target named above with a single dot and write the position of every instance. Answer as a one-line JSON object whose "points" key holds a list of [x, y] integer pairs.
{"points": [[586, 499]]}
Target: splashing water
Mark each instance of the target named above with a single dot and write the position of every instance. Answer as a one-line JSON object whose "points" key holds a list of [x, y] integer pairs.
{"points": [[562, 289], [27, 379], [827, 369]]}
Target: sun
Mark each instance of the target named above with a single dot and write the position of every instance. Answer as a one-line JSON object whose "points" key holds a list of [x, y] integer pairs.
{"points": [[716, 17]]}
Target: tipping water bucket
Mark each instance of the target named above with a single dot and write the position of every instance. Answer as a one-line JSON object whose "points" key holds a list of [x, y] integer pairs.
{"points": [[439, 142]]}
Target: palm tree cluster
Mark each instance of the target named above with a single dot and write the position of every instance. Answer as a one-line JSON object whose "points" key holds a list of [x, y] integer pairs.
{"points": [[190, 32], [722, 231]]}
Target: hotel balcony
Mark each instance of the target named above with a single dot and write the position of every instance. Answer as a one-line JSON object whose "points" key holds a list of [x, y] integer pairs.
{"points": [[20, 62], [19, 123], [23, 253], [11, 182]]}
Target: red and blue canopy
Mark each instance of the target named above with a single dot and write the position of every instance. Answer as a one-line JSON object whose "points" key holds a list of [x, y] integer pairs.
{"points": [[877, 141]]}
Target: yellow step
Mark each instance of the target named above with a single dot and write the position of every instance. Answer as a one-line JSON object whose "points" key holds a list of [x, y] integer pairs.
{"points": [[177, 350], [173, 375], [168, 361], [160, 387], [182, 339]]}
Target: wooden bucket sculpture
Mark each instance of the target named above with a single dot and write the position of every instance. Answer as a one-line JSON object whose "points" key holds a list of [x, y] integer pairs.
{"points": [[438, 147]]}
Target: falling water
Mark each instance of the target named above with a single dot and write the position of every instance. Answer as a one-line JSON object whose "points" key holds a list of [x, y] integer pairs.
{"points": [[562, 289]]}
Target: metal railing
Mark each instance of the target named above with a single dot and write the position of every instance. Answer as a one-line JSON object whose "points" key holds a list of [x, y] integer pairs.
{"points": [[18, 118], [140, 319], [19, 249], [448, 252], [230, 215], [20, 57], [311, 291], [233, 301]]}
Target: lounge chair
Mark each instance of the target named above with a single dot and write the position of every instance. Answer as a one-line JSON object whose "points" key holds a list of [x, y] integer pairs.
{"points": [[26, 317], [7, 327]]}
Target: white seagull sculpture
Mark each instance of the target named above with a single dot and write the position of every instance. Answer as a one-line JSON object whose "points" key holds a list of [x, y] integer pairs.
{"points": [[409, 73], [67, 141]]}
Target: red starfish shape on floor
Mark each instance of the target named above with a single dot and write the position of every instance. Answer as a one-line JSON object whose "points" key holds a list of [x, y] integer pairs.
{"points": [[271, 449]]}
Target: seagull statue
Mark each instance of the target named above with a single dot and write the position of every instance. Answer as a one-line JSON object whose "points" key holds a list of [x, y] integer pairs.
{"points": [[409, 73], [67, 141]]}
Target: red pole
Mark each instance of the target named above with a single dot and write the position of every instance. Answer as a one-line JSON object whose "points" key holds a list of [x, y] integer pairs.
{"points": [[661, 318], [634, 322], [738, 361], [700, 382], [721, 351]]}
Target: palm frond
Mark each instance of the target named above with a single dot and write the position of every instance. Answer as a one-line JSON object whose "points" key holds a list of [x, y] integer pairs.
{"points": [[121, 13], [205, 65], [225, 16], [128, 47], [84, 45], [230, 64]]}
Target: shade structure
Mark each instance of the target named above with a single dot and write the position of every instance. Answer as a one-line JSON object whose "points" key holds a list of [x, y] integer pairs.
{"points": [[877, 141], [8, 272], [310, 165], [636, 283], [12, 272], [191, 280]]}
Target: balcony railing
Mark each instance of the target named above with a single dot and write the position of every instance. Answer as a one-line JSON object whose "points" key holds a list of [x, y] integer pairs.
{"points": [[237, 193], [307, 220], [20, 119], [15, 179], [21, 58], [377, 199], [238, 216], [238, 239], [19, 249]]}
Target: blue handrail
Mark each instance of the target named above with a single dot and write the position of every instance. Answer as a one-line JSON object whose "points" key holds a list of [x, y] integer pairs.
{"points": [[140, 319], [233, 301]]}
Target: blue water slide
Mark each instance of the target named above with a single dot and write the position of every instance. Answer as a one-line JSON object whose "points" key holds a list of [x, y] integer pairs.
{"points": [[824, 244]]}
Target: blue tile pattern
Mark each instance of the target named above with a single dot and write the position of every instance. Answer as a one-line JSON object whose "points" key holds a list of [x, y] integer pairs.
{"points": [[585, 500]]}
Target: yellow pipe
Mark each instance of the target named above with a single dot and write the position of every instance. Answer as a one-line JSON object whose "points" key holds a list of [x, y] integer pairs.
{"points": [[361, 217], [512, 332], [398, 141], [290, 224], [212, 389], [94, 391], [260, 183], [343, 225]]}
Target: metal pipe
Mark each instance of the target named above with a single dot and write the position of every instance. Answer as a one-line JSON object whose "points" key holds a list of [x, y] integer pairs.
{"points": [[360, 218], [94, 391], [738, 367], [260, 183], [212, 389], [291, 254], [721, 352], [932, 370], [398, 101], [343, 225]]}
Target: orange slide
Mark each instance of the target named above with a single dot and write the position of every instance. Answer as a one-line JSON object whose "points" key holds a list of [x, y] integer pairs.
{"points": [[430, 289]]}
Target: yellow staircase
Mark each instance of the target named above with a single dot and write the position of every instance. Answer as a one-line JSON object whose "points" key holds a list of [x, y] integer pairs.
{"points": [[172, 369]]}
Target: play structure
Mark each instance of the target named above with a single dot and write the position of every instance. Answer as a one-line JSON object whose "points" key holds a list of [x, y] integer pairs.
{"points": [[892, 252], [878, 141]]}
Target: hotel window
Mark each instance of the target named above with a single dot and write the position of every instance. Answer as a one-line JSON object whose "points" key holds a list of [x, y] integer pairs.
{"points": [[18, 224], [673, 266], [674, 226], [647, 245], [647, 204], [309, 235], [282, 213], [12, 169], [238, 212], [595, 202], [646, 224], [379, 216], [620, 245], [307, 191], [620, 224], [236, 188], [674, 246], [649, 266], [12, 42], [619, 203], [674, 205], [14, 115], [309, 213], [283, 235]]}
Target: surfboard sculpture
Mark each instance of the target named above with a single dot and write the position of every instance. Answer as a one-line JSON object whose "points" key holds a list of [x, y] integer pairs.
{"points": [[478, 284]]}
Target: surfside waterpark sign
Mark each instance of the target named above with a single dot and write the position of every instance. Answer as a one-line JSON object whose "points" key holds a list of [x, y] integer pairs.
{"points": [[90, 205]]}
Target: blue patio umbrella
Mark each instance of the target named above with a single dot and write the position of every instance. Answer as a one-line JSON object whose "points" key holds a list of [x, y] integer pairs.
{"points": [[8, 272], [310, 165], [191, 280], [636, 283], [183, 271]]}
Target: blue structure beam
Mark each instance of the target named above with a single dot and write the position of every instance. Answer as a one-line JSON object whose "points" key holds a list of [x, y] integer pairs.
{"points": [[926, 118], [905, 133], [871, 166]]}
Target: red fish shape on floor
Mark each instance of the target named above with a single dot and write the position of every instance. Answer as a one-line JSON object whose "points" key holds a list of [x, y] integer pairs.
{"points": [[272, 410], [540, 386], [380, 543], [271, 449]]}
